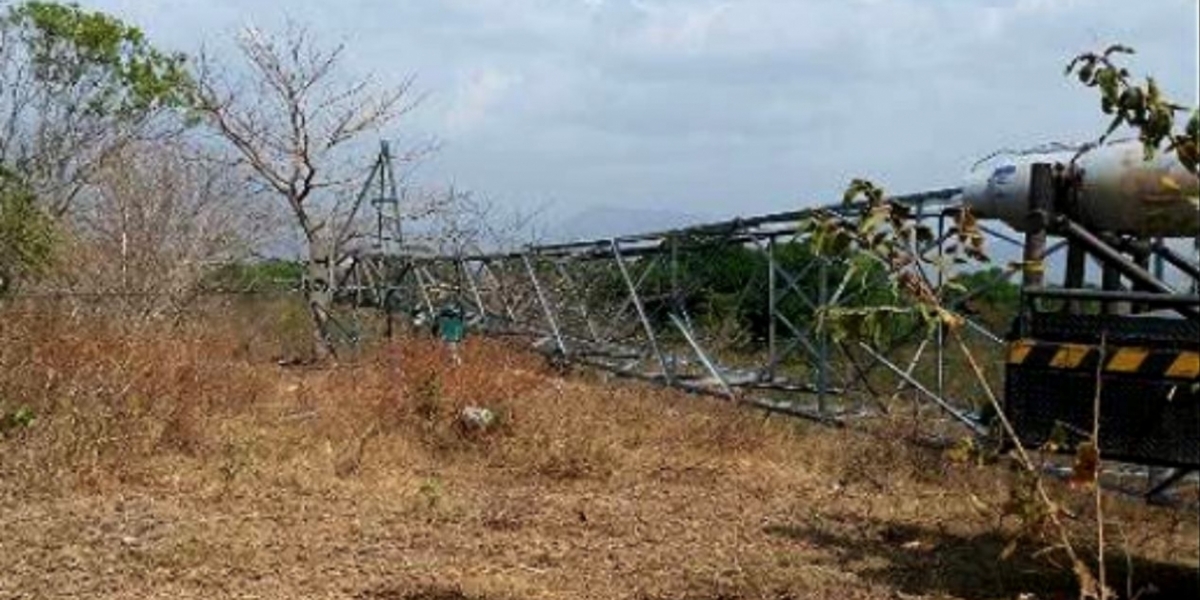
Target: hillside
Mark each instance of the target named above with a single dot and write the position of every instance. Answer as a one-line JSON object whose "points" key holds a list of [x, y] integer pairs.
{"points": [[186, 464]]}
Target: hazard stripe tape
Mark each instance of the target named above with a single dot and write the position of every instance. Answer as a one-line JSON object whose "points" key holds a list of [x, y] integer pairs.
{"points": [[1128, 360]]}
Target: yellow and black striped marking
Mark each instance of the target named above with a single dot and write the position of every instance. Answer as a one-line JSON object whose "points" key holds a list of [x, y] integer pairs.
{"points": [[1158, 363]]}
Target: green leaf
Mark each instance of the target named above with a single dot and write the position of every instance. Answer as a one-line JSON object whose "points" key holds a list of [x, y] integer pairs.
{"points": [[71, 48], [27, 236], [864, 188], [22, 418]]}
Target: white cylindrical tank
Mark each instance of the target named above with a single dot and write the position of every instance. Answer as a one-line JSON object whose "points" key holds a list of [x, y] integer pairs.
{"points": [[1121, 191]]}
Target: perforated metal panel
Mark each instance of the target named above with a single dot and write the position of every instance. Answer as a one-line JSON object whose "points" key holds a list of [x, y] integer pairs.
{"points": [[1142, 419]]}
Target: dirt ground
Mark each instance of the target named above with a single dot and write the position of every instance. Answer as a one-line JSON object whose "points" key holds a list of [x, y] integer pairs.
{"points": [[182, 467]]}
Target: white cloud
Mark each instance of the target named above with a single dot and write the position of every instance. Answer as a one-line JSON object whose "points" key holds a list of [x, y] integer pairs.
{"points": [[721, 106], [478, 93], [675, 28]]}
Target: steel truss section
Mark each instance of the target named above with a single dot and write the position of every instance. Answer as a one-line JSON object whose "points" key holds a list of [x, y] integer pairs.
{"points": [[635, 306], [626, 305]]}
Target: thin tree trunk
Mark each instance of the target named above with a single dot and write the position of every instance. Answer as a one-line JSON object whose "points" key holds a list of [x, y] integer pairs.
{"points": [[318, 295]]}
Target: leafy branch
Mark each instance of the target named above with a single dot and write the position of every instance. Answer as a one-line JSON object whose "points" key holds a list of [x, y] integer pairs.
{"points": [[888, 233], [68, 44], [883, 231], [26, 232], [1142, 107]]}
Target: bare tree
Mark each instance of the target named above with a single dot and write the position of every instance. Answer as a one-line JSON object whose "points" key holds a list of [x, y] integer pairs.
{"points": [[463, 222], [291, 121], [156, 219]]}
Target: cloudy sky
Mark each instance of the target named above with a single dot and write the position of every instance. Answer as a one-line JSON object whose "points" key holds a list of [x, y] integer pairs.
{"points": [[721, 107]]}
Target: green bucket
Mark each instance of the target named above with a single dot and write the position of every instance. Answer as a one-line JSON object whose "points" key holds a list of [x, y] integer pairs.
{"points": [[451, 326]]}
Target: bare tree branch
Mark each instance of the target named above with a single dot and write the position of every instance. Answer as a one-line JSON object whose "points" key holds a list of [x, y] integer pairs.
{"points": [[291, 122]]}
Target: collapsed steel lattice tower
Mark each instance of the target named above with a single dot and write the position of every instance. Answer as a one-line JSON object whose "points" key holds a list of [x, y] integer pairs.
{"points": [[627, 305]]}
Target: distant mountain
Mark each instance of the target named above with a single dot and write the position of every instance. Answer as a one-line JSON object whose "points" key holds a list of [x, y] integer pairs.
{"points": [[610, 221]]}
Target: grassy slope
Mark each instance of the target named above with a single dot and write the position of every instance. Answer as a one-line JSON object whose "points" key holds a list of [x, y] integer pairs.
{"points": [[182, 465]]}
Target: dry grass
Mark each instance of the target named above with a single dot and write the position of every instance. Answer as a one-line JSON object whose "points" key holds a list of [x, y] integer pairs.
{"points": [[171, 461]]}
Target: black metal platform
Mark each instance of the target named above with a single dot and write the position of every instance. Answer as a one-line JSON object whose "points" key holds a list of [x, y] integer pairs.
{"points": [[1144, 419]]}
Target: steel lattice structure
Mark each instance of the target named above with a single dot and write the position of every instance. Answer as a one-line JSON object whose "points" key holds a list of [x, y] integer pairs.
{"points": [[634, 306], [563, 296]]}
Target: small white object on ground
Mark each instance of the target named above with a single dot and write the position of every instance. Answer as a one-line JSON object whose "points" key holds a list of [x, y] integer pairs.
{"points": [[476, 418]]}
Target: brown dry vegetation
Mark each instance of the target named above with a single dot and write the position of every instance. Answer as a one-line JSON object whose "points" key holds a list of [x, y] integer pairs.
{"points": [[181, 462]]}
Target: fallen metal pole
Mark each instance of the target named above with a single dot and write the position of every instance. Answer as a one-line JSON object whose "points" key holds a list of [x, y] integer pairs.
{"points": [[958, 415], [641, 310], [708, 364], [547, 311]]}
